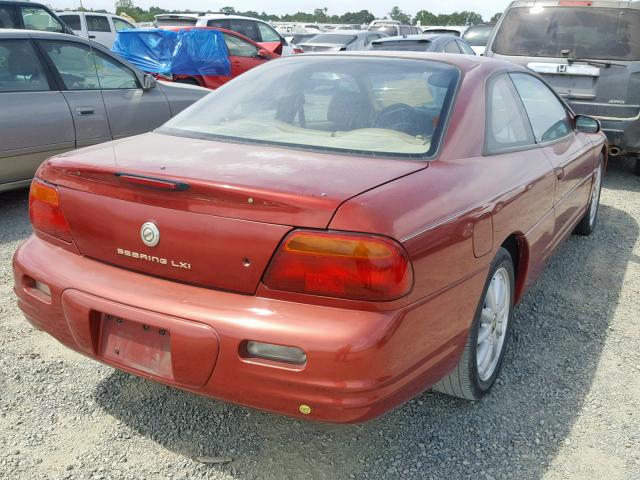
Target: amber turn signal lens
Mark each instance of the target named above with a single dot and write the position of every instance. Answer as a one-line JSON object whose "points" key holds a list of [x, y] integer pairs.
{"points": [[45, 212], [343, 265]]}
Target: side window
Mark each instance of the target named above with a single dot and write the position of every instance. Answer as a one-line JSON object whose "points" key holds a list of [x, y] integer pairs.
{"points": [[221, 23], [74, 62], [466, 49], [112, 74], [7, 17], [72, 21], [370, 38], [36, 18], [98, 23], [507, 125], [549, 119], [121, 25], [247, 28], [451, 47], [267, 33], [239, 48], [20, 68]]}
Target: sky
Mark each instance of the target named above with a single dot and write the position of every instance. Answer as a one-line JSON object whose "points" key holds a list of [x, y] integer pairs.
{"points": [[379, 8]]}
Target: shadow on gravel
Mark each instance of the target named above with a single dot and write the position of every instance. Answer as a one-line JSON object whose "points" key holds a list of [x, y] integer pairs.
{"points": [[560, 330], [14, 216]]}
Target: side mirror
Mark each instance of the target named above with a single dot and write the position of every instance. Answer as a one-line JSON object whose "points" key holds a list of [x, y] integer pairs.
{"points": [[148, 82], [586, 124], [264, 54]]}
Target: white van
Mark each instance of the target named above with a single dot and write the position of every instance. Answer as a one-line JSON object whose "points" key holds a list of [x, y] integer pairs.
{"points": [[101, 27]]}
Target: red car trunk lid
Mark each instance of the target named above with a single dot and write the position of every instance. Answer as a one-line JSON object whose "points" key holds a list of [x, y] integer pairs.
{"points": [[221, 226]]}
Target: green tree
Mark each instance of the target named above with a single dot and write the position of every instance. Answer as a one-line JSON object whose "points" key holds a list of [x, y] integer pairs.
{"points": [[399, 15], [425, 18], [357, 18], [228, 10], [496, 17]]}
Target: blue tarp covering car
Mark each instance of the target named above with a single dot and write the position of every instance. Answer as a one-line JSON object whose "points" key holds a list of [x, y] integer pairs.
{"points": [[167, 52]]}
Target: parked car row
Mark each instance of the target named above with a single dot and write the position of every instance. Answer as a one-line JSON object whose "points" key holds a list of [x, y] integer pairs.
{"points": [[62, 92]]}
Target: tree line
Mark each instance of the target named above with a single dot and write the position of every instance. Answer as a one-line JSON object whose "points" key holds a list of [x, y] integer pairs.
{"points": [[319, 15]]}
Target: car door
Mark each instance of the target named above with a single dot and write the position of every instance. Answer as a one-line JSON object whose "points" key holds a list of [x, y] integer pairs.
{"points": [[571, 154], [131, 110], [511, 150], [75, 72], [242, 54], [99, 29], [36, 121], [270, 39]]}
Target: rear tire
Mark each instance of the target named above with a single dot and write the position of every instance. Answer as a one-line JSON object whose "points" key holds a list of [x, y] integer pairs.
{"points": [[588, 223], [484, 351]]}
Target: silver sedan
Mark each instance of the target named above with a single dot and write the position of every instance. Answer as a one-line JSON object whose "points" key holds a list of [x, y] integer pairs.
{"points": [[60, 92]]}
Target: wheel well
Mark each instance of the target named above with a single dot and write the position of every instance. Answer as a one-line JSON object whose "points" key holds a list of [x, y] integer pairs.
{"points": [[517, 247]]}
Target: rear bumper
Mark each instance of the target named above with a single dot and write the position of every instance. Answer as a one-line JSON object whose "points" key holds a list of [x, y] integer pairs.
{"points": [[623, 134], [359, 364]]}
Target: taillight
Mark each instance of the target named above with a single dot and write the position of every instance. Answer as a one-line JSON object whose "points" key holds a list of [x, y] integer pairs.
{"points": [[297, 50], [45, 212], [344, 265]]}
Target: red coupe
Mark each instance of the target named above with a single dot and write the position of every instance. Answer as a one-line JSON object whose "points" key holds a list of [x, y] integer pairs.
{"points": [[325, 237], [244, 54]]}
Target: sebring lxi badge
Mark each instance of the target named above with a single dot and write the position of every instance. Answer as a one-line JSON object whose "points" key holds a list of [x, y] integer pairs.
{"points": [[150, 234]]}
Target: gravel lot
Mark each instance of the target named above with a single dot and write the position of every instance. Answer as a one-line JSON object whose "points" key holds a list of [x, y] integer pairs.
{"points": [[566, 405]]}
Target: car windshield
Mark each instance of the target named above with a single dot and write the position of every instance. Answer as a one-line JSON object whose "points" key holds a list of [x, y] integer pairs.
{"points": [[369, 105], [337, 39], [402, 45], [478, 36], [581, 32], [390, 30]]}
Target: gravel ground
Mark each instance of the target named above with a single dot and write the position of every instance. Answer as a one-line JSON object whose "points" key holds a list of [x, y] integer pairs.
{"points": [[565, 407]]}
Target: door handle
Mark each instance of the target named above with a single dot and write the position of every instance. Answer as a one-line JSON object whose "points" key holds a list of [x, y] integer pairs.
{"points": [[560, 173], [92, 36], [85, 111]]}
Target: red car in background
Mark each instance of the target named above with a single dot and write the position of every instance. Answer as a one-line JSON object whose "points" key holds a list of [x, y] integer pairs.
{"points": [[244, 55], [324, 238]]}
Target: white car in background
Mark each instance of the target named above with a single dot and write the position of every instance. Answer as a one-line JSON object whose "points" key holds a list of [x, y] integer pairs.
{"points": [[458, 31], [253, 28], [101, 27]]}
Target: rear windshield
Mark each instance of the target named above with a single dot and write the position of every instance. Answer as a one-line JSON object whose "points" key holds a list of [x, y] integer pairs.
{"points": [[377, 106], [580, 32], [478, 36], [402, 45], [390, 30], [171, 22], [334, 39]]}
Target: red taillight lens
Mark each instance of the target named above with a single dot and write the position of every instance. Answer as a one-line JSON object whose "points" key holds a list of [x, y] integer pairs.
{"points": [[351, 266], [45, 212]]}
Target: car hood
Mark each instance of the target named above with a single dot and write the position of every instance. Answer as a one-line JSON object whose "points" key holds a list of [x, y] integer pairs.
{"points": [[243, 181]]}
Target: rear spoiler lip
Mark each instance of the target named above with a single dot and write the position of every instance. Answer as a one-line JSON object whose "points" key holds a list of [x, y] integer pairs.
{"points": [[152, 182]]}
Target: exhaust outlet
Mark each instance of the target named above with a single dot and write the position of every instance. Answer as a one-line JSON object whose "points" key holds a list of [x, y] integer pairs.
{"points": [[615, 151]]}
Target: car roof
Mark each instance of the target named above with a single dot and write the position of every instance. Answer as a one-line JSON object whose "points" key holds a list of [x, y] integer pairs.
{"points": [[216, 16], [16, 33], [399, 38], [80, 12], [25, 4], [463, 62], [594, 4]]}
